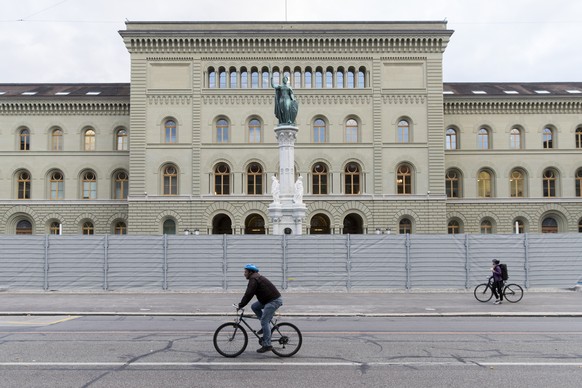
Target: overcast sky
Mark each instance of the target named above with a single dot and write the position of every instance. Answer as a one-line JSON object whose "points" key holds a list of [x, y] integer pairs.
{"points": [[72, 41]]}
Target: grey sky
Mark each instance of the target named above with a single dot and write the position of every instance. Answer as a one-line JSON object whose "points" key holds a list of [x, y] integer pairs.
{"points": [[45, 41]]}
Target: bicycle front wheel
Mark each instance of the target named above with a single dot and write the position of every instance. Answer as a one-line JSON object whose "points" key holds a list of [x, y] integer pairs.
{"points": [[513, 293], [230, 339], [286, 339], [483, 293]]}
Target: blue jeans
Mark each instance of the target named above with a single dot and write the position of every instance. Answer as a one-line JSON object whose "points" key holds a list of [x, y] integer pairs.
{"points": [[265, 313]]}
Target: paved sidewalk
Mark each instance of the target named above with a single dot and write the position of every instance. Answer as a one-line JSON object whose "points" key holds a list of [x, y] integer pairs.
{"points": [[438, 303]]}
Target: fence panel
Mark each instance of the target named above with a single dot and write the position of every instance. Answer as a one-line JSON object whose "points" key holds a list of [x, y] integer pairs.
{"points": [[377, 262], [555, 260], [136, 262], [507, 248], [76, 264], [22, 268], [437, 261], [195, 263], [317, 262]]}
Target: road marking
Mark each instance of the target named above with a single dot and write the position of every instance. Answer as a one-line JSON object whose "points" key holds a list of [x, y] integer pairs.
{"points": [[35, 321], [290, 363]]}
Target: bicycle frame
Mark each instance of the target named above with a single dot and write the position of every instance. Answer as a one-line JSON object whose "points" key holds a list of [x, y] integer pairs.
{"points": [[240, 318]]}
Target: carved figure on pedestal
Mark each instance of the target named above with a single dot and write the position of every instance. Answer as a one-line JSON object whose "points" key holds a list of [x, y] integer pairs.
{"points": [[275, 190], [298, 196], [286, 106]]}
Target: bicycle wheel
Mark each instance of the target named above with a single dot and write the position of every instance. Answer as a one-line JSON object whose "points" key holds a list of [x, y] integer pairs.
{"points": [[286, 339], [230, 339], [483, 292], [513, 293]]}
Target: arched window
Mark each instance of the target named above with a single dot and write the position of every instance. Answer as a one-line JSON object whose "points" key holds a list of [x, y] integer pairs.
{"points": [[351, 131], [484, 184], [403, 135], [55, 228], [404, 179], [453, 184], [233, 79], [517, 183], [57, 140], [222, 131], [339, 79], [318, 79], [451, 139], [24, 139], [57, 185], [254, 179], [328, 79], [120, 185], [255, 224], [211, 78], [486, 227], [88, 228], [89, 185], [169, 226], [549, 225], [405, 226], [120, 228], [24, 227], [121, 139], [221, 179], [548, 137], [353, 224], [222, 79], [308, 78], [518, 226], [319, 131], [254, 131], [244, 78], [361, 79], [483, 139], [171, 131], [579, 137], [550, 183], [23, 183], [320, 179], [579, 182], [515, 139], [255, 79], [580, 226], [170, 180], [297, 79], [89, 140], [351, 79], [352, 178], [454, 227], [319, 224], [265, 79], [221, 224]]}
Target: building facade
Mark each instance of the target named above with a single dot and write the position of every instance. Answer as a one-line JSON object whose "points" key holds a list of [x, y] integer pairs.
{"points": [[384, 146]]}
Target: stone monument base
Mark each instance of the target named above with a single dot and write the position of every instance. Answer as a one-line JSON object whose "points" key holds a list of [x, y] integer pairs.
{"points": [[287, 218]]}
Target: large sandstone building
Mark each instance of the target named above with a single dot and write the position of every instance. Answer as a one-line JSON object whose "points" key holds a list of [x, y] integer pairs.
{"points": [[384, 146]]}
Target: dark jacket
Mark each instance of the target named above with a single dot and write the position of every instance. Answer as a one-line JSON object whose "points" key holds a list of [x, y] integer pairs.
{"points": [[497, 274], [262, 288]]}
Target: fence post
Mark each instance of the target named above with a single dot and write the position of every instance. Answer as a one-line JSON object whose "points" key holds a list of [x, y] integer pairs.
{"points": [[467, 250], [526, 262], [224, 263], [284, 246], [105, 262], [165, 266], [349, 262], [46, 263], [407, 245]]}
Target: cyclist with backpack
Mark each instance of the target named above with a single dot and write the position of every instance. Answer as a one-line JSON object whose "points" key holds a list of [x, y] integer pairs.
{"points": [[497, 281]]}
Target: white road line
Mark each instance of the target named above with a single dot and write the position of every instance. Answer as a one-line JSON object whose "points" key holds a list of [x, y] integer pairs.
{"points": [[282, 363]]}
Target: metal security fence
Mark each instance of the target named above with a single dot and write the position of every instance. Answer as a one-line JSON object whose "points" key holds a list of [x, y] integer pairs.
{"points": [[308, 262]]}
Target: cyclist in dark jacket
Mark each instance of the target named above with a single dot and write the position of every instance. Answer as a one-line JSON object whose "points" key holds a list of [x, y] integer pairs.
{"points": [[497, 286], [268, 301]]}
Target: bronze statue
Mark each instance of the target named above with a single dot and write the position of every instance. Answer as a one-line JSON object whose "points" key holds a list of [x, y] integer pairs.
{"points": [[286, 106]]}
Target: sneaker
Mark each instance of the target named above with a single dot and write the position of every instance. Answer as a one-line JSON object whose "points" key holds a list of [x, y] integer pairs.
{"points": [[260, 332], [497, 302], [265, 349]]}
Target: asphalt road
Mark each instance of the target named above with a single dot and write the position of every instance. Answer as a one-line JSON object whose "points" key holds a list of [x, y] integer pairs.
{"points": [[166, 351]]}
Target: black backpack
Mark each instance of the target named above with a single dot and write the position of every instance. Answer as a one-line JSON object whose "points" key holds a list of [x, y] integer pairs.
{"points": [[504, 274]]}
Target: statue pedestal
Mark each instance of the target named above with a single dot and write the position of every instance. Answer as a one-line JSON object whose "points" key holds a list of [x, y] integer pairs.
{"points": [[287, 216]]}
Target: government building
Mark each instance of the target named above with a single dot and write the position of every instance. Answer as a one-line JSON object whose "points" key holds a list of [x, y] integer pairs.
{"points": [[384, 145]]}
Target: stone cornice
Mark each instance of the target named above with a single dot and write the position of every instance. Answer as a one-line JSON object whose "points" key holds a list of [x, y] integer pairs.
{"points": [[109, 108], [504, 106], [184, 44], [169, 99], [404, 99], [336, 99]]}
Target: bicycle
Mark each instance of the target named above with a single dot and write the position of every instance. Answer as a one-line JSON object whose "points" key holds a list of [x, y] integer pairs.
{"points": [[231, 338], [484, 292]]}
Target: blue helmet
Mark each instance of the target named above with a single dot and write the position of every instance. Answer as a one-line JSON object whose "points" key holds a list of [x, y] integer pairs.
{"points": [[252, 267]]}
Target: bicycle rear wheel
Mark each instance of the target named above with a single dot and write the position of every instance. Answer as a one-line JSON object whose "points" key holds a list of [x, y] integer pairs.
{"points": [[513, 293], [483, 293], [286, 339], [230, 339]]}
